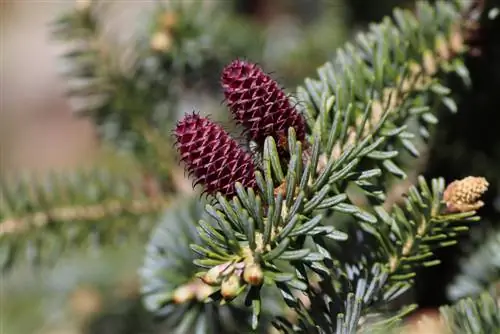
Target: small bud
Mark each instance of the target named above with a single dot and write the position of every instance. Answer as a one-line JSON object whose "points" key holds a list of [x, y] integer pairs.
{"points": [[407, 247], [414, 67], [168, 20], [322, 163], [183, 294], [203, 291], [391, 100], [215, 274], [214, 158], [378, 107], [464, 195], [429, 62], [337, 151], [456, 41], [230, 286], [393, 263], [442, 47], [161, 41], [253, 275], [351, 136]]}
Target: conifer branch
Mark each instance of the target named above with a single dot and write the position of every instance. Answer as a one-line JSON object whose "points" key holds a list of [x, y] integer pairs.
{"points": [[80, 213], [479, 271], [182, 45], [390, 70], [41, 218], [270, 243], [171, 289], [415, 229], [269, 223], [480, 314]]}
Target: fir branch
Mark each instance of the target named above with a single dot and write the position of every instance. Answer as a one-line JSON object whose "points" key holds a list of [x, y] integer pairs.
{"points": [[348, 130], [414, 231], [182, 45], [398, 67], [359, 115], [473, 315], [80, 213], [404, 239], [342, 306], [171, 290], [269, 228], [191, 40], [43, 218], [479, 271], [98, 83]]}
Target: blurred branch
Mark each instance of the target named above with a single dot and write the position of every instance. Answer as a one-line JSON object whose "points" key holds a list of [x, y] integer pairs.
{"points": [[81, 213]]}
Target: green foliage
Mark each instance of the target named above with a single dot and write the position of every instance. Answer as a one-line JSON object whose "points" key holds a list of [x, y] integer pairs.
{"points": [[415, 230], [473, 315], [42, 219], [130, 94], [373, 102], [170, 287], [106, 279], [404, 239], [341, 309], [99, 82], [318, 246], [199, 38], [134, 92], [479, 271], [396, 65], [288, 44]]}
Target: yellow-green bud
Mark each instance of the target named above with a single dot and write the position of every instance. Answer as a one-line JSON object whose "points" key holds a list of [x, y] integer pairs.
{"points": [[253, 275], [429, 62], [215, 274], [183, 294], [203, 291], [229, 287], [161, 41]]}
